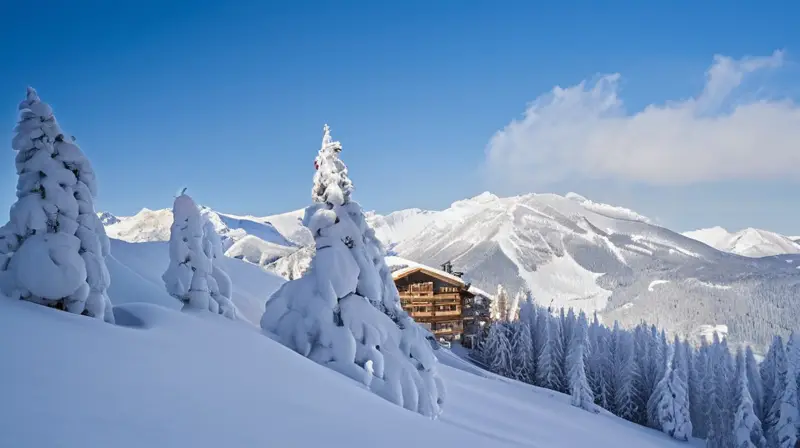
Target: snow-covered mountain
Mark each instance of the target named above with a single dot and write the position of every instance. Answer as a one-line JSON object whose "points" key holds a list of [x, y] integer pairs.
{"points": [[748, 242], [573, 252]]}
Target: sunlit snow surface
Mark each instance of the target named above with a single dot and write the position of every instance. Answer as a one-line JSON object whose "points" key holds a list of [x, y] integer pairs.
{"points": [[175, 379]]}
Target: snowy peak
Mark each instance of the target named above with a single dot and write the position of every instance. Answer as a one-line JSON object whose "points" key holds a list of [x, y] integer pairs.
{"points": [[748, 242], [107, 218]]}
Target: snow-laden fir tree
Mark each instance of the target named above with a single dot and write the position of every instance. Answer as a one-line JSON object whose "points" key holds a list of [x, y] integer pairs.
{"points": [[549, 372], [189, 271], [747, 430], [754, 382], [579, 388], [598, 368], [719, 395], [527, 309], [540, 333], [671, 396], [53, 250], [220, 286], [624, 376], [522, 364], [770, 367], [499, 347], [787, 402], [698, 403], [345, 312]]}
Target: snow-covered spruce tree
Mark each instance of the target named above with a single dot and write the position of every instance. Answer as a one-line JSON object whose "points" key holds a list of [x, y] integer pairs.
{"points": [[625, 376], [522, 362], [754, 382], [719, 395], [747, 429], [499, 350], [578, 384], [787, 403], [672, 397], [188, 275], [770, 368], [598, 368], [540, 332], [549, 373], [52, 251], [220, 286], [345, 312], [527, 309], [697, 385]]}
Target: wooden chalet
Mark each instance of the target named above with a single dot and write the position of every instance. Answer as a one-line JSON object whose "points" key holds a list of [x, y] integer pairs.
{"points": [[439, 300]]}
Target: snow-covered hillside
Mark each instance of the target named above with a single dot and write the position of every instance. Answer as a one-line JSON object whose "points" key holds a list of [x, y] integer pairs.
{"points": [[748, 242], [132, 389], [136, 270]]}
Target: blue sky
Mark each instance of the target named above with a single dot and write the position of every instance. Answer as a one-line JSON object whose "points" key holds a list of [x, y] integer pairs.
{"points": [[229, 101]]}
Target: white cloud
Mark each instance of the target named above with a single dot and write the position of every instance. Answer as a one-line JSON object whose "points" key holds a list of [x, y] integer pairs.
{"points": [[583, 131]]}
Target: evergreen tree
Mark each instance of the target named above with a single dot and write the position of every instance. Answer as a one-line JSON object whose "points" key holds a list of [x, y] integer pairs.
{"points": [[643, 387], [787, 429], [549, 373], [500, 350], [698, 401], [522, 353], [747, 429], [598, 365], [754, 383], [672, 399], [769, 372], [53, 250], [189, 270], [625, 376], [578, 384], [721, 406], [527, 309], [220, 286], [345, 312], [776, 376]]}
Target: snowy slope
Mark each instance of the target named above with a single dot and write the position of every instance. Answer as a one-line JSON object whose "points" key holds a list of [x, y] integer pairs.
{"points": [[255, 250], [136, 270], [164, 378], [748, 242]]}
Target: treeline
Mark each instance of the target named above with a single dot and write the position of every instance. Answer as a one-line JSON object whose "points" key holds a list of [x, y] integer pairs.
{"points": [[640, 375]]}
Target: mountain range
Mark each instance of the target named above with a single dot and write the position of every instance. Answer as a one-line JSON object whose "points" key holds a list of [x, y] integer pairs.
{"points": [[567, 250]]}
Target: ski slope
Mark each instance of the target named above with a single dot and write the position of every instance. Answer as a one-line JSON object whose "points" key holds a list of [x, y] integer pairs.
{"points": [[166, 378]]}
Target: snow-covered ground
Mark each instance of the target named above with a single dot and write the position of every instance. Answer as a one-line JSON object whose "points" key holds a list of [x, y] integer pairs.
{"points": [[174, 379], [167, 378]]}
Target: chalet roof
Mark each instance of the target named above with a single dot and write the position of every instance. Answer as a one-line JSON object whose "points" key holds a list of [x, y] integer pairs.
{"points": [[441, 275], [405, 267]]}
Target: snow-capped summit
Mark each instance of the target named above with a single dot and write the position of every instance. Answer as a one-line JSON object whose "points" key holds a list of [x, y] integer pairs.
{"points": [[107, 218], [748, 242]]}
